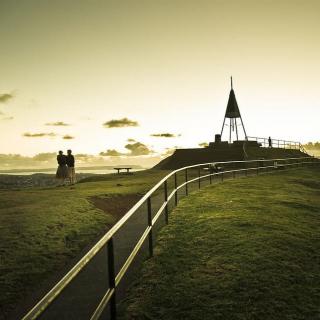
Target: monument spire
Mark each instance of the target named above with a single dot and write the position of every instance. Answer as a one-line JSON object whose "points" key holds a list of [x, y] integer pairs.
{"points": [[233, 113]]}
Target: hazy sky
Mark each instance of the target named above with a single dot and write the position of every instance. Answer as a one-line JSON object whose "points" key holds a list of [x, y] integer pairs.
{"points": [[162, 63]]}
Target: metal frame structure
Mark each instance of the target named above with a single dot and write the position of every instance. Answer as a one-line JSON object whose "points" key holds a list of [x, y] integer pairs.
{"points": [[232, 103], [235, 169]]}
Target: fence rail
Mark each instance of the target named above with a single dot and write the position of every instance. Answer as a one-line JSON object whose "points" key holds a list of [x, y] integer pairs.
{"points": [[276, 143], [188, 175]]}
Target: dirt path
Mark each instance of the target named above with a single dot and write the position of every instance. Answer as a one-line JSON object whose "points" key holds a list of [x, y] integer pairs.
{"points": [[116, 205]]}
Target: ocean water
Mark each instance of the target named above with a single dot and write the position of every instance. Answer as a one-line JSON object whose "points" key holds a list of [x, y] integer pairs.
{"points": [[93, 171]]}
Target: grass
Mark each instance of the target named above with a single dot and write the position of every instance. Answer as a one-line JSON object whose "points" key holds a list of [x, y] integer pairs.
{"points": [[42, 229], [244, 249]]}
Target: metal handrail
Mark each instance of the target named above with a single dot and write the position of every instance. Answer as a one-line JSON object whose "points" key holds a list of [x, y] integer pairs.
{"points": [[279, 143], [114, 279], [273, 139]]}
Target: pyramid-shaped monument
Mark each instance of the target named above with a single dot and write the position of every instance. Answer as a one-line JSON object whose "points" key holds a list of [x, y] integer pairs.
{"points": [[232, 107], [233, 113]]}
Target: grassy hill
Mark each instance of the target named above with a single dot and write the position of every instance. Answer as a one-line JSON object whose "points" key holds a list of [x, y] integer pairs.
{"points": [[42, 229], [231, 152], [244, 249]]}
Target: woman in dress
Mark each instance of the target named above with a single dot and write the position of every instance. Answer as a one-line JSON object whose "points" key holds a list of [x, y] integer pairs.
{"points": [[62, 171]]}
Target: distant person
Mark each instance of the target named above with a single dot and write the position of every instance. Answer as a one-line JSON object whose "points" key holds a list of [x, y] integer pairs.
{"points": [[70, 164], [62, 171], [270, 142]]}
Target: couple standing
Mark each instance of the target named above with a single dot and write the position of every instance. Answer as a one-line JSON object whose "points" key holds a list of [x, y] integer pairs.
{"points": [[66, 167]]}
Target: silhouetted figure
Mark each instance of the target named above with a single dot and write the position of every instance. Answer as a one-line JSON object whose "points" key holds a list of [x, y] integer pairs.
{"points": [[71, 169], [270, 142], [62, 171]]}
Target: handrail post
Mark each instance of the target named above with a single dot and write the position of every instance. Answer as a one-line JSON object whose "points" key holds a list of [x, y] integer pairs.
{"points": [[150, 225], [175, 186], [210, 176], [166, 214], [112, 282], [222, 176], [199, 176], [186, 176]]}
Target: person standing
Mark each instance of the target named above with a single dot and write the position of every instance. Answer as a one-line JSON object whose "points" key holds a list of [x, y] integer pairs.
{"points": [[70, 164], [62, 171], [270, 142]]}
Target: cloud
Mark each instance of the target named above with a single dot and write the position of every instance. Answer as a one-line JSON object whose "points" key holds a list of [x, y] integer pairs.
{"points": [[168, 152], [89, 159], [111, 153], [5, 97], [57, 124], [4, 117], [164, 135], [46, 156], [135, 149], [7, 118], [138, 149], [203, 144], [131, 140], [67, 137], [120, 123], [9, 161], [48, 160], [39, 135]]}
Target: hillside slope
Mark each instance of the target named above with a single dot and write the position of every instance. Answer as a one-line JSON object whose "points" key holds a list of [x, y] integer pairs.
{"points": [[43, 229], [243, 249]]}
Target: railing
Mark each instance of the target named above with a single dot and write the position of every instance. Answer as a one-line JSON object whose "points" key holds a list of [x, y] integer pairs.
{"points": [[276, 143], [179, 180]]}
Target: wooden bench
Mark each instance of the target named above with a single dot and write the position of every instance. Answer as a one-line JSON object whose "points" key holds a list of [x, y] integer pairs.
{"points": [[122, 168]]}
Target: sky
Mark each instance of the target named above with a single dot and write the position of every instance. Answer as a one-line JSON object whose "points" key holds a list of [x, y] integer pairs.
{"points": [[142, 77]]}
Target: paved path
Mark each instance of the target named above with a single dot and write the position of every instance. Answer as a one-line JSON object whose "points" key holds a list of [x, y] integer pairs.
{"points": [[80, 298]]}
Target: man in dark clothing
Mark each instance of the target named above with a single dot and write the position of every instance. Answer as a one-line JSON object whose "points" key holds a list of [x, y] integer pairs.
{"points": [[70, 163], [270, 142]]}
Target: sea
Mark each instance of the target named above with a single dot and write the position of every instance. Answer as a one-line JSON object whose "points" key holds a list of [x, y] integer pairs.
{"points": [[53, 171]]}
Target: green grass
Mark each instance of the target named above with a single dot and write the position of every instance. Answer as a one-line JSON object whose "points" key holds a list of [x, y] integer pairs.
{"points": [[243, 249], [42, 229]]}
